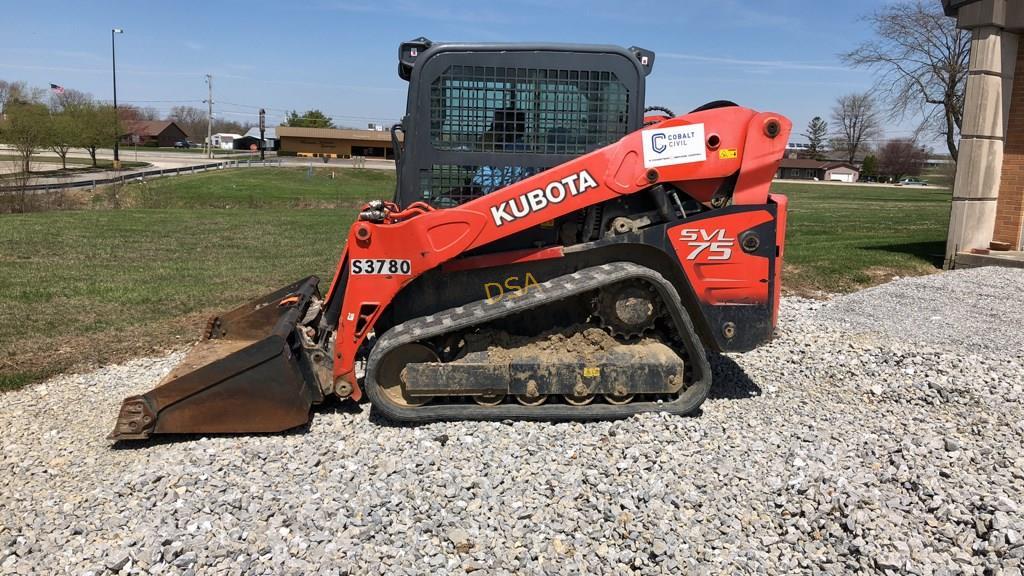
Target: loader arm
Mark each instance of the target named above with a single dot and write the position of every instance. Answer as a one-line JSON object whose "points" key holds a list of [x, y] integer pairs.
{"points": [[700, 151]]}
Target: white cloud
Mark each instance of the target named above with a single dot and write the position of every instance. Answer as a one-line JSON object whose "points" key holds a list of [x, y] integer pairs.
{"points": [[764, 64]]}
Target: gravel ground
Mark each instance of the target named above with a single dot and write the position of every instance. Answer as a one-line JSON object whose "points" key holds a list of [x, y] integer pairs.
{"points": [[879, 432]]}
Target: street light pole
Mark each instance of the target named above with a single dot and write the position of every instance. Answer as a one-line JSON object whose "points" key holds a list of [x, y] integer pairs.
{"points": [[117, 121]]}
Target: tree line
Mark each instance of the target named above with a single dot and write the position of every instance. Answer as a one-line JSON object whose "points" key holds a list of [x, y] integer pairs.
{"points": [[856, 133], [34, 119], [72, 119], [920, 59]]}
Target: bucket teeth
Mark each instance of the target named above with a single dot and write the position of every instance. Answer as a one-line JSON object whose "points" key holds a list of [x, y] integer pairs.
{"points": [[135, 420], [213, 329]]}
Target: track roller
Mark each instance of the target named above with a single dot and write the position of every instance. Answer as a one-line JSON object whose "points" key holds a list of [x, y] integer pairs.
{"points": [[489, 399], [578, 400]]}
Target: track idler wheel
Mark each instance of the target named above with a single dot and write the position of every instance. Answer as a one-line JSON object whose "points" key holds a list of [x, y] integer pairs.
{"points": [[390, 375]]}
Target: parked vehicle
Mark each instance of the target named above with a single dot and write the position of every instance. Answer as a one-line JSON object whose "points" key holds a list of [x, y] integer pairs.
{"points": [[183, 144]]}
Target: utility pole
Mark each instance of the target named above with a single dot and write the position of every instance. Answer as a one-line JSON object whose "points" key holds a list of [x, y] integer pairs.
{"points": [[209, 116], [263, 128], [117, 121]]}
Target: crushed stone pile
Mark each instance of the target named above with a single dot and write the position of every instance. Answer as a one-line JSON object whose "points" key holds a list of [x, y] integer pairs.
{"points": [[880, 432]]}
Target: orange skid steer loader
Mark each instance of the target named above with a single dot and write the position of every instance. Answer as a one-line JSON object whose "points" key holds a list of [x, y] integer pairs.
{"points": [[553, 251]]}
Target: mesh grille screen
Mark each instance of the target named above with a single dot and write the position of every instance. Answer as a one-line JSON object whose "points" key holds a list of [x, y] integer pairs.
{"points": [[513, 110], [532, 110], [444, 186]]}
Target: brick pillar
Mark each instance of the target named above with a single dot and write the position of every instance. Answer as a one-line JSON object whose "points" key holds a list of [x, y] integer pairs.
{"points": [[1009, 219]]}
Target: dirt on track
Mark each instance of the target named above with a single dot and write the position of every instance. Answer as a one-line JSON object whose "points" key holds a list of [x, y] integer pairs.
{"points": [[578, 341]]}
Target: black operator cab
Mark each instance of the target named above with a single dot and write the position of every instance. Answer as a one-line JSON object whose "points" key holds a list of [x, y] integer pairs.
{"points": [[482, 116]]}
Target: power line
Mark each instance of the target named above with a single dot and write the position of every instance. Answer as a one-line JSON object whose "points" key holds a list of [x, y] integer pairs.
{"points": [[159, 101], [285, 112]]}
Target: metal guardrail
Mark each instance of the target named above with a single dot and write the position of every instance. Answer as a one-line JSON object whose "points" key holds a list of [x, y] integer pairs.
{"points": [[141, 175]]}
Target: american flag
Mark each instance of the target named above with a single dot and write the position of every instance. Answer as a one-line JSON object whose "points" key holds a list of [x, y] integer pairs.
{"points": [[56, 89]]}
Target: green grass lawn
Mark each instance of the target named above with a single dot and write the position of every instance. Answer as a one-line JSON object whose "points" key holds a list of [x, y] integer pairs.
{"points": [[841, 238], [75, 164], [260, 187], [100, 285]]}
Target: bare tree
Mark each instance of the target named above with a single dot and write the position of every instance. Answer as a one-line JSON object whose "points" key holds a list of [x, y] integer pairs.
{"points": [[127, 113], [5, 93], [193, 121], [901, 157], [856, 121], [68, 100], [922, 61], [190, 119], [18, 93]]}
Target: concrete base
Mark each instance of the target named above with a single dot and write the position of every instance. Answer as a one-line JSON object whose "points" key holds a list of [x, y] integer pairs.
{"points": [[970, 226], [1002, 259]]}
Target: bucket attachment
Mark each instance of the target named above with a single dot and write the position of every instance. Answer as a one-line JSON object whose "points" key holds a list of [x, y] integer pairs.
{"points": [[250, 373]]}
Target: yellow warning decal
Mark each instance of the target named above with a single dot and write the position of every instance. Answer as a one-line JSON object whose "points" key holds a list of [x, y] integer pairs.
{"points": [[727, 154], [591, 371]]}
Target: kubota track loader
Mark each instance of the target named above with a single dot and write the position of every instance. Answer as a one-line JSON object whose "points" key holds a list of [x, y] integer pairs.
{"points": [[551, 252]]}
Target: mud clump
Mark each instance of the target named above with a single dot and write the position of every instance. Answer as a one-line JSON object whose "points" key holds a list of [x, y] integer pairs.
{"points": [[554, 345]]}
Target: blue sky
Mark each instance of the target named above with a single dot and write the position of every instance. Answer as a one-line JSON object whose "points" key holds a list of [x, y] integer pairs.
{"points": [[340, 56]]}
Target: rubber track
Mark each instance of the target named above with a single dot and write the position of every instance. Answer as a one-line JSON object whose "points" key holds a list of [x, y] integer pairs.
{"points": [[480, 312]]}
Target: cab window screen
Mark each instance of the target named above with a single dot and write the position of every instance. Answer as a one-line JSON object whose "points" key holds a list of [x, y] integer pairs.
{"points": [[526, 110]]}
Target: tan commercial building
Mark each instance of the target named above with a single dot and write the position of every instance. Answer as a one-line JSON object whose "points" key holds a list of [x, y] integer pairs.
{"points": [[987, 220], [334, 142]]}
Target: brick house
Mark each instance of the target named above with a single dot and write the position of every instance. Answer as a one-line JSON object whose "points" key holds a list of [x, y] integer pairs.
{"points": [[162, 133], [823, 170]]}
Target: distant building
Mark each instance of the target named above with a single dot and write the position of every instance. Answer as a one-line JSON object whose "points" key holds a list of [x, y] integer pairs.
{"points": [[162, 133], [253, 137], [223, 140], [823, 170], [939, 162], [334, 142]]}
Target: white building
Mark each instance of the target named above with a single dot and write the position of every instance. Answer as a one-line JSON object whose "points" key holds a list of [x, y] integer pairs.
{"points": [[224, 140]]}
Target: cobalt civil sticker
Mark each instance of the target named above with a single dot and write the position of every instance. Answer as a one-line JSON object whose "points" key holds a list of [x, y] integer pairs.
{"points": [[676, 145]]}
